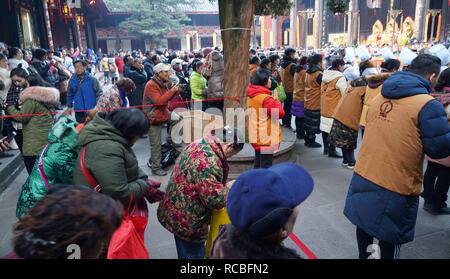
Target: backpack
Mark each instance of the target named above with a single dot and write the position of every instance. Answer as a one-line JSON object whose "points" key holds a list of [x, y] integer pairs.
{"points": [[105, 64]]}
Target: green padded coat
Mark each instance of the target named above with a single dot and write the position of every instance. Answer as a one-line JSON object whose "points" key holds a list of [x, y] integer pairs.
{"points": [[58, 161], [110, 160]]}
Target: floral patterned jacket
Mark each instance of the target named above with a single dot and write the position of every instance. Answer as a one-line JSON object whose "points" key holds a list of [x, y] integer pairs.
{"points": [[197, 185]]}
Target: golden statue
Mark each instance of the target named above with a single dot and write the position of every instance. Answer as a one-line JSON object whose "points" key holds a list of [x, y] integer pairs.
{"points": [[377, 30], [387, 37], [408, 31]]}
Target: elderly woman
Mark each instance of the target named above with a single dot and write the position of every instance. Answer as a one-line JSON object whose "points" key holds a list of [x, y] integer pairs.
{"points": [[108, 156], [198, 185], [115, 96]]}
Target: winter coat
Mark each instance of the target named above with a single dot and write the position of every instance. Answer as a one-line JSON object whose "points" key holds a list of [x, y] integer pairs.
{"points": [[313, 82], [197, 185], [149, 65], [87, 95], [444, 98], [14, 63], [110, 160], [43, 68], [216, 74], [64, 78], [58, 162], [5, 78], [139, 77], [287, 72], [333, 87], [126, 69], [384, 211], [156, 97], [344, 132], [119, 63], [110, 98], [298, 102], [198, 86], [230, 243], [260, 126], [375, 84], [35, 128]]}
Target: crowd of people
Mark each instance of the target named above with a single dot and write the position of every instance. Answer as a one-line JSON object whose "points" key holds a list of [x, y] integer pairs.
{"points": [[328, 93]]}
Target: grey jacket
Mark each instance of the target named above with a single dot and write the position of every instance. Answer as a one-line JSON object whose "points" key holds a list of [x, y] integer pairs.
{"points": [[215, 72]]}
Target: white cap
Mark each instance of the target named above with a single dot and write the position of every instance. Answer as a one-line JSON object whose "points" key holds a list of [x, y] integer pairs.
{"points": [[363, 53], [386, 53], [350, 73], [161, 67], [349, 55], [406, 56], [369, 71], [176, 61], [441, 52], [443, 68]]}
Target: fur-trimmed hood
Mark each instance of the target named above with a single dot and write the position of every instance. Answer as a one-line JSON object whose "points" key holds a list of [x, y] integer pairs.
{"points": [[45, 95], [375, 80]]}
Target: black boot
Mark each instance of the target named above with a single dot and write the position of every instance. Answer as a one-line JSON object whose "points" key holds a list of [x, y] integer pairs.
{"points": [[325, 143], [310, 141], [332, 152]]}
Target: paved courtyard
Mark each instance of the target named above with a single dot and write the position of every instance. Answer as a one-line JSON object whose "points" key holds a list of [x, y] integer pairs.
{"points": [[321, 225]]}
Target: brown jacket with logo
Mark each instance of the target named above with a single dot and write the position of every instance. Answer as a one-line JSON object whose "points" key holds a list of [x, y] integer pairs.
{"points": [[399, 166], [312, 91], [348, 111]]}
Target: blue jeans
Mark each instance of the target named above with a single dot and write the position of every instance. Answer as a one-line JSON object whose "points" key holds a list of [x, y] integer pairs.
{"points": [[189, 250]]}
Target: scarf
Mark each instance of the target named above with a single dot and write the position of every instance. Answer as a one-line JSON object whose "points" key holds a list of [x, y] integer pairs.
{"points": [[124, 98], [160, 82]]}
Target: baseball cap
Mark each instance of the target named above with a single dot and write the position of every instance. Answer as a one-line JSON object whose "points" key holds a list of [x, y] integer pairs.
{"points": [[161, 67], [176, 61], [261, 201]]}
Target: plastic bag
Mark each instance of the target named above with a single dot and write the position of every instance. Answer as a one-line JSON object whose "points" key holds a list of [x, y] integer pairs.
{"points": [[219, 218], [127, 242], [281, 93], [168, 156]]}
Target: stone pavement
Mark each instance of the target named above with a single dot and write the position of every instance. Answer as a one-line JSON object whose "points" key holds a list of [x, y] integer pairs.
{"points": [[321, 225]]}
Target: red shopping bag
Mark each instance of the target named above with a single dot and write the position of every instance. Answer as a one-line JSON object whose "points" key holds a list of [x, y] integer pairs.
{"points": [[127, 241]]}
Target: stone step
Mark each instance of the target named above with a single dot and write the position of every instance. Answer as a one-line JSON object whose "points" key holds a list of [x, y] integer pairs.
{"points": [[10, 168]]}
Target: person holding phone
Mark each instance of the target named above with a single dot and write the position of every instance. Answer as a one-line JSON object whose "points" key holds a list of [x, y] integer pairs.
{"points": [[157, 92]]}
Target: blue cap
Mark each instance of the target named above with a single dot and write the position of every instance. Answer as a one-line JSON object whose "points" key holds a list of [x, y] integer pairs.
{"points": [[261, 201]]}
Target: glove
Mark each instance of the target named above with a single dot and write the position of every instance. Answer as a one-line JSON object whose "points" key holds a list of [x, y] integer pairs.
{"points": [[153, 183], [154, 195]]}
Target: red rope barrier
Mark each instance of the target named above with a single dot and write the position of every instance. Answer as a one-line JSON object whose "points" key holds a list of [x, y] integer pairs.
{"points": [[140, 106]]}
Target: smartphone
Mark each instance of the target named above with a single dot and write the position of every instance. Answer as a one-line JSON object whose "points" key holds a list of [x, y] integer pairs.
{"points": [[10, 137]]}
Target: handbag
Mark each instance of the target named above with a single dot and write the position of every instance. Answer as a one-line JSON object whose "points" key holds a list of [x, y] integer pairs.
{"points": [[219, 218], [138, 215]]}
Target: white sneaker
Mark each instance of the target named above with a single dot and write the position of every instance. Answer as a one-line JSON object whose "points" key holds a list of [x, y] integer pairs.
{"points": [[13, 145]]}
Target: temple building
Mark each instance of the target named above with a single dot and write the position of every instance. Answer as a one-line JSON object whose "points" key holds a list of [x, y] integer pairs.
{"points": [[50, 23]]}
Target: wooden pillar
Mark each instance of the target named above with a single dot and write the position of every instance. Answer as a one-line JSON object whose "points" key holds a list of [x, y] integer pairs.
{"points": [[318, 23], [421, 15], [47, 25]]}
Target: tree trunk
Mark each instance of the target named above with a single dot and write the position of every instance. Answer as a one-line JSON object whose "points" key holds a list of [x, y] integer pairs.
{"points": [[236, 43]]}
